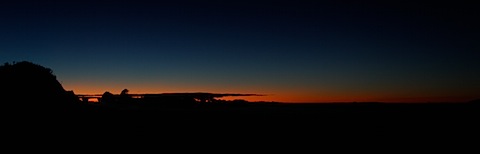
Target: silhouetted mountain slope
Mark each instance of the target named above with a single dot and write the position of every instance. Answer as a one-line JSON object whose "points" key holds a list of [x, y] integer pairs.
{"points": [[26, 85]]}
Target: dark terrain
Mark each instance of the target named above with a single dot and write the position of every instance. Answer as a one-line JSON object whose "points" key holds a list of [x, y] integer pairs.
{"points": [[35, 103]]}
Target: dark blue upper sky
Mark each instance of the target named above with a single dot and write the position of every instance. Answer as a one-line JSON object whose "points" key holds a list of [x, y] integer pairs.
{"points": [[293, 50]]}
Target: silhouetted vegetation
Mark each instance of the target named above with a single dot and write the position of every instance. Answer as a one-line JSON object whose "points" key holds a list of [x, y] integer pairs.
{"points": [[28, 86], [30, 91], [107, 98]]}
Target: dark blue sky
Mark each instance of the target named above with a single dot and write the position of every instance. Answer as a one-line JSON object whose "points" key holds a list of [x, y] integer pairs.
{"points": [[294, 51]]}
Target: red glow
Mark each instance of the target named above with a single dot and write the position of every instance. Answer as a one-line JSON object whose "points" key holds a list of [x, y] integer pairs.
{"points": [[275, 95]]}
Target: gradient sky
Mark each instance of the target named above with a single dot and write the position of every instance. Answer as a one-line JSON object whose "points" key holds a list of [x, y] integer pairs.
{"points": [[293, 51]]}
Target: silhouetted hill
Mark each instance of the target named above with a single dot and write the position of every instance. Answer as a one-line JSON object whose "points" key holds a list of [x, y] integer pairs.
{"points": [[32, 90], [26, 86], [476, 101]]}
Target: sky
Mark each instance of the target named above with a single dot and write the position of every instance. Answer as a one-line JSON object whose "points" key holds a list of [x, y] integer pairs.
{"points": [[290, 51]]}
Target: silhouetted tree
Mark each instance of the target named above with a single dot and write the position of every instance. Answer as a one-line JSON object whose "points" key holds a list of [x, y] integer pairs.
{"points": [[107, 97], [124, 92], [28, 86], [125, 97]]}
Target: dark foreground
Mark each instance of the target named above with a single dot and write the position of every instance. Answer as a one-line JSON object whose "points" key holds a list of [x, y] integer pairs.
{"points": [[353, 115], [249, 124]]}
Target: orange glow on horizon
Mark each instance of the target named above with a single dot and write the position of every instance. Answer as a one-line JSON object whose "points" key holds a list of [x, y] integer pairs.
{"points": [[275, 95]]}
